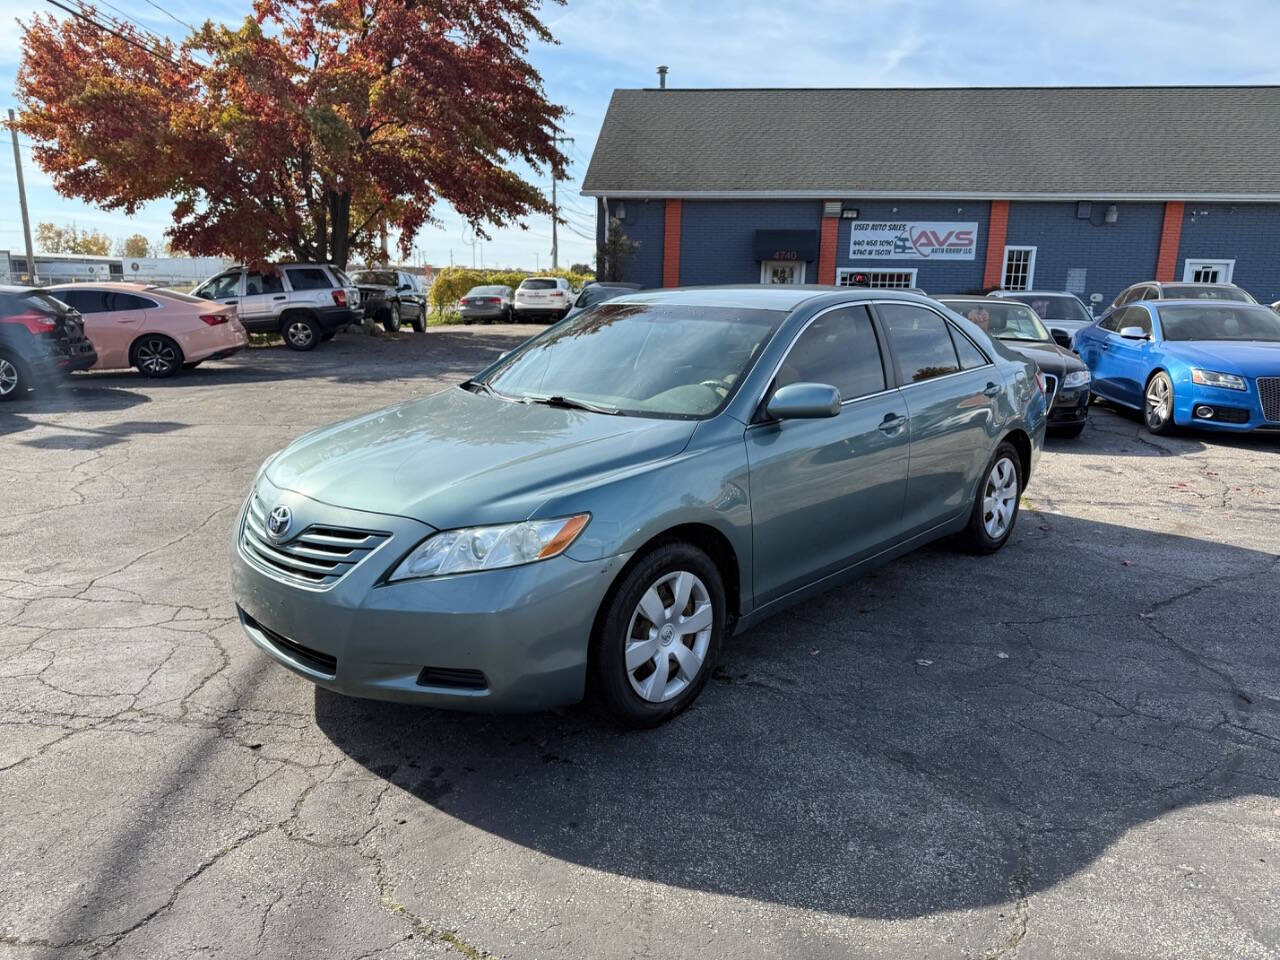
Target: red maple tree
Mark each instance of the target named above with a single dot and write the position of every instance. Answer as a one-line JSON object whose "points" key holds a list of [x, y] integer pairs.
{"points": [[302, 131]]}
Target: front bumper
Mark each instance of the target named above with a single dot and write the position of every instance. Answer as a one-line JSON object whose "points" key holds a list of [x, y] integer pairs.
{"points": [[523, 630], [1070, 407], [1235, 411]]}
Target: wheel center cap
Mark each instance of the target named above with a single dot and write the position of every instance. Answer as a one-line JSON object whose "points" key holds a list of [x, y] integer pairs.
{"points": [[667, 634]]}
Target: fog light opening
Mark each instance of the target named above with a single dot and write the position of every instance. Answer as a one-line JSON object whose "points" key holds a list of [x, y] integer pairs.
{"points": [[1204, 412]]}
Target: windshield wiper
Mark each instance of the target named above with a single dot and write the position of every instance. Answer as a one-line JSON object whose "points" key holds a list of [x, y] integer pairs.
{"points": [[573, 403], [482, 386]]}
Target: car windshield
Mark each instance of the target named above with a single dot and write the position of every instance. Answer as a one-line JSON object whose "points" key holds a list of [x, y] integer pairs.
{"points": [[1187, 321], [650, 360], [381, 278], [1004, 319], [1048, 307], [487, 292], [538, 285], [1193, 291]]}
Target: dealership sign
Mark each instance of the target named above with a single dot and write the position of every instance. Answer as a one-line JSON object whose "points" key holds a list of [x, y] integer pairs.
{"points": [[914, 240]]}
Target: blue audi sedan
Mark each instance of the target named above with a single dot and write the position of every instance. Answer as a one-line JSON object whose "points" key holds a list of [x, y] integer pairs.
{"points": [[1202, 363]]}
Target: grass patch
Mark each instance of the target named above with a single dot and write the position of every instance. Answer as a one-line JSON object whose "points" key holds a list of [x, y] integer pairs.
{"points": [[443, 318]]}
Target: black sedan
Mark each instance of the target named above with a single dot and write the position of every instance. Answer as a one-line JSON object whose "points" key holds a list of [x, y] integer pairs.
{"points": [[1067, 379], [41, 340]]}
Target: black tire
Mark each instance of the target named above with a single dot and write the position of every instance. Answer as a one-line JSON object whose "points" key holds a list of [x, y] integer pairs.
{"points": [[611, 681], [983, 536], [1069, 433], [156, 356], [508, 316], [15, 379], [420, 322], [191, 364], [328, 335], [390, 320], [300, 332], [1157, 411]]}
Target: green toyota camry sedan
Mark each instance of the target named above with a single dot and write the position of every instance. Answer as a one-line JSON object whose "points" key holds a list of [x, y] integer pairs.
{"points": [[593, 514]]}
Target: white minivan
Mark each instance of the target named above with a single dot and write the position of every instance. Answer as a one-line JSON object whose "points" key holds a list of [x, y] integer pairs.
{"points": [[542, 297]]}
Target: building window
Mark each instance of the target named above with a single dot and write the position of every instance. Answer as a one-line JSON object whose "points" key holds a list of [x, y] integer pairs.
{"points": [[1208, 271], [782, 271], [1019, 268], [876, 279]]}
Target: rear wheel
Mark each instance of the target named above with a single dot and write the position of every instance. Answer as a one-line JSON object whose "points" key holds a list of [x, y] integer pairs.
{"points": [[658, 635], [995, 507], [1157, 407], [14, 380], [300, 332], [155, 355]]}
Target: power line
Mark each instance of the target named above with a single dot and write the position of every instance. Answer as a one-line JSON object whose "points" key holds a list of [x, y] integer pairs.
{"points": [[81, 15]]}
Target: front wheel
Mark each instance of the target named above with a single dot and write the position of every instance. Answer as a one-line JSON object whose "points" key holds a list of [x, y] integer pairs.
{"points": [[14, 380], [1157, 408], [658, 635], [995, 508], [420, 322], [1068, 433], [157, 356]]}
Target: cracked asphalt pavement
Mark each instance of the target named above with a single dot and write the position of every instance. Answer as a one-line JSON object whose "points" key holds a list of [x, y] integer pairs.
{"points": [[1069, 749]]}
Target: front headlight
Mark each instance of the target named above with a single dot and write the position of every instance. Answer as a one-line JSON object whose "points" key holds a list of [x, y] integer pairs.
{"points": [[1211, 378], [488, 548], [1076, 378]]}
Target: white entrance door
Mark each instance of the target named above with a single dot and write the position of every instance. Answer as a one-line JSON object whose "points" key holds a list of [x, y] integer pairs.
{"points": [[782, 271], [1208, 271]]}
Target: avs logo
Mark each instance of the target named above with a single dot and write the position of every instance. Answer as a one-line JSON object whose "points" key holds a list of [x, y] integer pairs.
{"points": [[925, 243]]}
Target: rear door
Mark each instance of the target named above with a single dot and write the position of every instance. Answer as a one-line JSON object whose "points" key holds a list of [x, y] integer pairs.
{"points": [[951, 389], [827, 493]]}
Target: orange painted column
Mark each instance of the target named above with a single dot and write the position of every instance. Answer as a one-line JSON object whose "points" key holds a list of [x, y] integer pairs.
{"points": [[671, 245], [997, 231], [827, 241], [1170, 236]]}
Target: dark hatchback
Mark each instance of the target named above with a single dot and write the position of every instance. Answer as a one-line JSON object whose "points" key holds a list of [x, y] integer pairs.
{"points": [[1067, 378], [41, 340]]}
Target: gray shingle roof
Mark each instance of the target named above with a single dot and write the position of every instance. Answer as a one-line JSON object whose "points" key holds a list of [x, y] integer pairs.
{"points": [[1158, 142]]}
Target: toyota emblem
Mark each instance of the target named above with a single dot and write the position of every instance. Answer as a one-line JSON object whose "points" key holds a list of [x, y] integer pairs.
{"points": [[279, 521]]}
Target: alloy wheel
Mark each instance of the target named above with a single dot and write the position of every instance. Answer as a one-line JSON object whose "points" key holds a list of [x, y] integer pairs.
{"points": [[8, 377], [999, 498], [1159, 403], [299, 333], [669, 635], [156, 356]]}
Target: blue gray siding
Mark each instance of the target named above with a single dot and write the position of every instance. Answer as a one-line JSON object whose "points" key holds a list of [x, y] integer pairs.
{"points": [[1113, 255], [1247, 233], [643, 223], [717, 237]]}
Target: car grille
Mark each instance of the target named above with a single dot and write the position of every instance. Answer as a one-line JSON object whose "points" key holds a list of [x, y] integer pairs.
{"points": [[319, 556], [1269, 394], [1050, 390]]}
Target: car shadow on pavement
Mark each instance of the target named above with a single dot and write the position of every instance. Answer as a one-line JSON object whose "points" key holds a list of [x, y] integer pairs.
{"points": [[936, 736], [1121, 431]]}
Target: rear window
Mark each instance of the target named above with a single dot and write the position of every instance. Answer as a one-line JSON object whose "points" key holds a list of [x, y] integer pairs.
{"points": [[382, 278], [308, 278], [12, 304], [487, 291], [538, 285], [1174, 291]]}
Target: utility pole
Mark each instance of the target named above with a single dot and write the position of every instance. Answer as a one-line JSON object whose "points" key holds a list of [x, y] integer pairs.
{"points": [[22, 202], [555, 242]]}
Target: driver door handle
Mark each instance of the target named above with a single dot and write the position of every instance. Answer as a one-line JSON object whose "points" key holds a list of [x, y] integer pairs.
{"points": [[892, 423], [992, 390], [280, 297], [230, 302]]}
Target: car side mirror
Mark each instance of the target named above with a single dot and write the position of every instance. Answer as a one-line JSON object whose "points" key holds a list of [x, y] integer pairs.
{"points": [[1133, 333], [804, 401]]}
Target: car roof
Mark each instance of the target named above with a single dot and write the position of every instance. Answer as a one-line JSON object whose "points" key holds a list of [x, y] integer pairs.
{"points": [[1033, 293], [765, 296], [17, 288], [130, 285]]}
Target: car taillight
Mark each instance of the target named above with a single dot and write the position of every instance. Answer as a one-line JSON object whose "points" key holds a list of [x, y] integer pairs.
{"points": [[558, 293], [462, 302], [213, 319], [495, 300], [340, 297], [38, 323]]}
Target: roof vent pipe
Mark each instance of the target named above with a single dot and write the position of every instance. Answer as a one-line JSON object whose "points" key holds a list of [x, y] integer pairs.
{"points": [[662, 77]]}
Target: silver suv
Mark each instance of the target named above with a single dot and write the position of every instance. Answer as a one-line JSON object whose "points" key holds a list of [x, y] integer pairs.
{"points": [[543, 297], [304, 302]]}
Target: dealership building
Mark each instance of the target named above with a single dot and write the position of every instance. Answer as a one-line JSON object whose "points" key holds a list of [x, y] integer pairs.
{"points": [[952, 190]]}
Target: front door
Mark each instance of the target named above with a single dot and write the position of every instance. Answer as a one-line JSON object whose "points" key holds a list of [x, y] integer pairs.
{"points": [[263, 295], [782, 271], [1208, 271], [951, 402], [1124, 361], [827, 493]]}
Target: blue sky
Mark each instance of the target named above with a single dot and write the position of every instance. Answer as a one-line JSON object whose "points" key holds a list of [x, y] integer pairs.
{"points": [[606, 44]]}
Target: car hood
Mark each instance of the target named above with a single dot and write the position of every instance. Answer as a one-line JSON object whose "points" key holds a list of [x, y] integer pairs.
{"points": [[457, 458], [1249, 358], [1049, 357]]}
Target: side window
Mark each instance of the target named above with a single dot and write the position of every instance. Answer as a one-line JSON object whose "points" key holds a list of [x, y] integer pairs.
{"points": [[838, 348], [86, 301], [259, 283], [970, 356], [1150, 293], [126, 301], [308, 278], [1126, 296], [222, 286], [920, 341], [1136, 317]]}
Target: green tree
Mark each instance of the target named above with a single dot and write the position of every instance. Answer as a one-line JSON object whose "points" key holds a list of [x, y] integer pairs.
{"points": [[51, 238], [134, 246], [615, 253]]}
